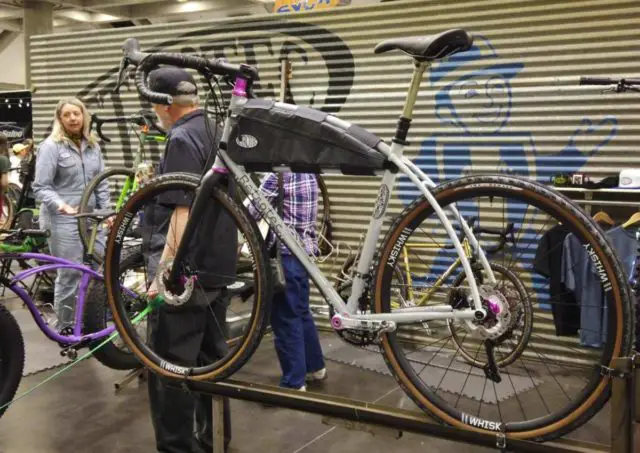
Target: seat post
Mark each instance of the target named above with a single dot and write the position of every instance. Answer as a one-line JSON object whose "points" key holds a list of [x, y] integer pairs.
{"points": [[414, 87], [402, 129]]}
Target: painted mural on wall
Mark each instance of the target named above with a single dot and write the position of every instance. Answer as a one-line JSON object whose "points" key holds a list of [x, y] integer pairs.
{"points": [[474, 103], [300, 42], [473, 95], [474, 98]]}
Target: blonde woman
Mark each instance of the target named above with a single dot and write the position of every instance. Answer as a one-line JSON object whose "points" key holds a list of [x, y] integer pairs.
{"points": [[67, 160]]}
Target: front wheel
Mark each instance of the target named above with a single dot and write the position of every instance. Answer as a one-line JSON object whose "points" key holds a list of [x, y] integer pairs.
{"points": [[11, 357], [185, 336], [556, 383], [97, 316]]}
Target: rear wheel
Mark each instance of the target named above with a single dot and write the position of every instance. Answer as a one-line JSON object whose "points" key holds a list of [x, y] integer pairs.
{"points": [[11, 357], [556, 384], [144, 212]]}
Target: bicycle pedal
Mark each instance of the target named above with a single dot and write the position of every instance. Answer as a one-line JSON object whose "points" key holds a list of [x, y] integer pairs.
{"points": [[70, 353]]}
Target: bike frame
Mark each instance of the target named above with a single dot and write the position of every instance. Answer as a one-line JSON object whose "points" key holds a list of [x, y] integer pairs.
{"points": [[441, 279], [52, 263], [131, 183], [224, 164]]}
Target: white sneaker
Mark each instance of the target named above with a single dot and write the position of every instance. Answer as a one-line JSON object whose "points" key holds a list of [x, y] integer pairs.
{"points": [[303, 388], [319, 375]]}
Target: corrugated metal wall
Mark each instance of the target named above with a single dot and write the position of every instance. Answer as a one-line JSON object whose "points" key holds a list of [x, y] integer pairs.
{"points": [[514, 103]]}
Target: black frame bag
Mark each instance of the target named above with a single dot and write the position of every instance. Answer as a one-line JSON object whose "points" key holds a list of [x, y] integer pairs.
{"points": [[271, 135]]}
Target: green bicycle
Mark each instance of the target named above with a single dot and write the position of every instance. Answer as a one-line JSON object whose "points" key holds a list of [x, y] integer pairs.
{"points": [[122, 181]]}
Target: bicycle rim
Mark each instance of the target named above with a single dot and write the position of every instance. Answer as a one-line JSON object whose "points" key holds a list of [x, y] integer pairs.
{"points": [[569, 390], [211, 307]]}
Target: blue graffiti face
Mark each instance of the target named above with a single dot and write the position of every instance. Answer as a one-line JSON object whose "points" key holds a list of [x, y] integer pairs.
{"points": [[479, 103]]}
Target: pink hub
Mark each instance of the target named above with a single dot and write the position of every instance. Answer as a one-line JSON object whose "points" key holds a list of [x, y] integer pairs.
{"points": [[336, 322], [494, 305]]}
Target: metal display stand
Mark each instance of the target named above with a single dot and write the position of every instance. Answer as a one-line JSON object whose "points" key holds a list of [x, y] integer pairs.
{"points": [[139, 373], [384, 420]]}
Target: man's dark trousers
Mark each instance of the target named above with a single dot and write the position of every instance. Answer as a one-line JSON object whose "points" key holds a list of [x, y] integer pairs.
{"points": [[191, 335]]}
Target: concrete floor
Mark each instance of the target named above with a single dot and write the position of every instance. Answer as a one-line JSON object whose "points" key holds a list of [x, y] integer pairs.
{"points": [[79, 412]]}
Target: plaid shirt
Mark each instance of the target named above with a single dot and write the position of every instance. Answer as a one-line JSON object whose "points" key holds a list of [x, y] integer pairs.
{"points": [[300, 206]]}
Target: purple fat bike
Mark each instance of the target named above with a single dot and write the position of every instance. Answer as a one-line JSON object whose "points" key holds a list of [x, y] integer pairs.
{"points": [[92, 322]]}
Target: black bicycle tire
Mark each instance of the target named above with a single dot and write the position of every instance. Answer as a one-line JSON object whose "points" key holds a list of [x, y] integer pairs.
{"points": [[10, 210], [230, 364], [593, 398], [11, 344], [94, 321], [84, 201], [499, 269], [326, 229]]}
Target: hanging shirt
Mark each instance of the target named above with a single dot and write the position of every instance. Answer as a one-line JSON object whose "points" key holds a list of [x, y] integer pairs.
{"points": [[579, 276], [626, 247], [548, 263], [582, 278]]}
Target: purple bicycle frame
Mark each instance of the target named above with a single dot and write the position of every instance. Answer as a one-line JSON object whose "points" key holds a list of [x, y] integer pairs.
{"points": [[55, 263]]}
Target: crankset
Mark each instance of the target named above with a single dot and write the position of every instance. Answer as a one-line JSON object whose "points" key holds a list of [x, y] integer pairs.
{"points": [[375, 327]]}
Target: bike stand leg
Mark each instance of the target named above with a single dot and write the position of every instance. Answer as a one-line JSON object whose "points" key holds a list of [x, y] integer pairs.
{"points": [[217, 406], [622, 405], [636, 398], [136, 373]]}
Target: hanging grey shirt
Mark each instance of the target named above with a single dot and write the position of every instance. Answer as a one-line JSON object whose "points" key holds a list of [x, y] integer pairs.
{"points": [[63, 172], [580, 276]]}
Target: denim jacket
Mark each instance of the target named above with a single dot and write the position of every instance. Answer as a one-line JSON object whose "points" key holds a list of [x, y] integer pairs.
{"points": [[62, 173]]}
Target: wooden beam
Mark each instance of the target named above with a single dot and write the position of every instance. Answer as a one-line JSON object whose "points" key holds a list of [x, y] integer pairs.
{"points": [[163, 9], [10, 12], [14, 25], [6, 38], [108, 4]]}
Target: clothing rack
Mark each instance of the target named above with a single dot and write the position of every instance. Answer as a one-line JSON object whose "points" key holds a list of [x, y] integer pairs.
{"points": [[590, 197]]}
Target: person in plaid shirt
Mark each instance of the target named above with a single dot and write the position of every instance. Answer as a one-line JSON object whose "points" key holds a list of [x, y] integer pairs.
{"points": [[295, 335]]}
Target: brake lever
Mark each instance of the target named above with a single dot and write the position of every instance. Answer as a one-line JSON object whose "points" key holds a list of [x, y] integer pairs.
{"points": [[124, 64]]}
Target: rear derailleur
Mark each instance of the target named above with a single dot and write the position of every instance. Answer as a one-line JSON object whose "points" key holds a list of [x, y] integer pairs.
{"points": [[491, 371]]}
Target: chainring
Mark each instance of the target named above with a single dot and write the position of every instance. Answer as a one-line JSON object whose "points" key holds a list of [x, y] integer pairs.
{"points": [[351, 336]]}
